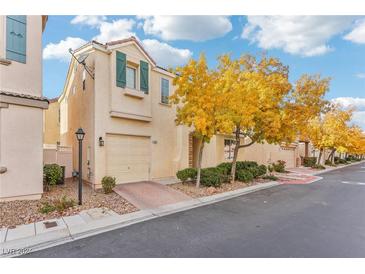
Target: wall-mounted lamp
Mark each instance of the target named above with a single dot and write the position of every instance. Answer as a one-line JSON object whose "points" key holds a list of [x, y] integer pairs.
{"points": [[101, 142]]}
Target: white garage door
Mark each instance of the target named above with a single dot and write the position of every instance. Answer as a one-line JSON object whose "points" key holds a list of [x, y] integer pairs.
{"points": [[128, 158]]}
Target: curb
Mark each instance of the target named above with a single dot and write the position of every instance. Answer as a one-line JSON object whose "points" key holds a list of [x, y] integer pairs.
{"points": [[39, 242], [340, 167]]}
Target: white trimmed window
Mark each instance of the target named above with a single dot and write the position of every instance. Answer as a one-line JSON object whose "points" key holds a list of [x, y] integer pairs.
{"points": [[131, 77], [229, 146], [165, 90]]}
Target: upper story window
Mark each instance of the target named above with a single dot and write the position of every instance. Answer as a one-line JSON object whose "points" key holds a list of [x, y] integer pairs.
{"points": [[126, 75], [165, 90], [131, 78], [16, 38], [229, 146]]}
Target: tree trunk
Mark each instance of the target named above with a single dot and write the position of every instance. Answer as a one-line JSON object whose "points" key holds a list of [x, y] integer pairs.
{"points": [[319, 156], [235, 154], [330, 156], [200, 163]]}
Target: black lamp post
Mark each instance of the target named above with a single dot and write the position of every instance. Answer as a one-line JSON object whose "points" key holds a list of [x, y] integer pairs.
{"points": [[80, 136]]}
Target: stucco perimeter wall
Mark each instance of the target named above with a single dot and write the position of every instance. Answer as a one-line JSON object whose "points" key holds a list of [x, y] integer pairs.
{"points": [[169, 143], [23, 157], [52, 124], [77, 110], [261, 153], [19, 77]]}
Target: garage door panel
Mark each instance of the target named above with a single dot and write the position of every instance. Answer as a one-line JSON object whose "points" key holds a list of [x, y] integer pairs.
{"points": [[128, 158]]}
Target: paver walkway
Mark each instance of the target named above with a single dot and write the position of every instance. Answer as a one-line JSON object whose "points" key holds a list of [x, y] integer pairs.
{"points": [[148, 194]]}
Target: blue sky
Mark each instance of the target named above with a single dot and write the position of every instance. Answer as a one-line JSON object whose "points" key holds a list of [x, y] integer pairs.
{"points": [[333, 46]]}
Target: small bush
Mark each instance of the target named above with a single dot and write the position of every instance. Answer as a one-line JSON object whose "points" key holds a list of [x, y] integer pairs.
{"points": [[186, 174], [338, 160], [244, 175], [262, 170], [52, 173], [47, 208], [316, 166], [64, 203], [212, 177], [329, 163], [225, 168], [309, 161], [245, 165], [279, 166], [108, 183], [270, 177], [270, 168]]}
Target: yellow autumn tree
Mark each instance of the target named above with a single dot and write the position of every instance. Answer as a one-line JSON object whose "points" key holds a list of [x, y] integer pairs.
{"points": [[198, 102], [254, 92], [305, 102], [329, 131], [356, 141]]}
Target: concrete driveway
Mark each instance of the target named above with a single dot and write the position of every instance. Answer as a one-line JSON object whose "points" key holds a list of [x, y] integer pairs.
{"points": [[148, 194], [322, 219]]}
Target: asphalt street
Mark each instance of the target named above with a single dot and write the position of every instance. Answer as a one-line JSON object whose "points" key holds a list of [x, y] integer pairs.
{"points": [[323, 219]]}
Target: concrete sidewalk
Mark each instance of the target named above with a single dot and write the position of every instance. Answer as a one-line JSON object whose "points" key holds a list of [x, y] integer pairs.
{"points": [[40, 235]]}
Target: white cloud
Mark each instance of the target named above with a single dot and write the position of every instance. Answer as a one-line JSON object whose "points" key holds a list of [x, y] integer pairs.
{"points": [[89, 20], [115, 30], [301, 35], [166, 55], [194, 28], [357, 35], [358, 118], [358, 103], [60, 49], [360, 75]]}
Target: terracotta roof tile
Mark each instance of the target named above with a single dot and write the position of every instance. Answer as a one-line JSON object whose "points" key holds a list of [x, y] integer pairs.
{"points": [[26, 96]]}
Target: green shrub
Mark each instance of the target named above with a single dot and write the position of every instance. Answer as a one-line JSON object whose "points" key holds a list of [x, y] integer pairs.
{"points": [[108, 183], [270, 177], [316, 166], [270, 168], [309, 161], [46, 208], [52, 173], [64, 203], [225, 168], [279, 166], [245, 165], [187, 174], [244, 175], [338, 160], [329, 163], [262, 170], [212, 177]]}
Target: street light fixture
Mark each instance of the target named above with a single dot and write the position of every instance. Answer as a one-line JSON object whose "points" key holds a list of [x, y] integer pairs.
{"points": [[80, 136]]}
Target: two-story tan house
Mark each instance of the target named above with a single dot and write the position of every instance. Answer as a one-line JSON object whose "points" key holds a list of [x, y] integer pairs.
{"points": [[21, 107], [121, 103]]}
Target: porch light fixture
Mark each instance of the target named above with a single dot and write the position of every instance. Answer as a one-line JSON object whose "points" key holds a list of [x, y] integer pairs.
{"points": [[80, 136], [101, 142]]}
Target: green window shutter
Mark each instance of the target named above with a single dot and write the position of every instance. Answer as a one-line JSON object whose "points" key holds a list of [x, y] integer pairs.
{"points": [[144, 76], [16, 38], [121, 76]]}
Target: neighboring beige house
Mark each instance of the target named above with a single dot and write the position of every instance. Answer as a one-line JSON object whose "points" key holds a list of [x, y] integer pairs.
{"points": [[130, 129], [21, 107], [51, 136]]}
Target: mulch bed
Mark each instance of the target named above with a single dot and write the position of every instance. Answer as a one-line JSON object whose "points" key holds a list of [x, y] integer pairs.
{"points": [[22, 212], [190, 189]]}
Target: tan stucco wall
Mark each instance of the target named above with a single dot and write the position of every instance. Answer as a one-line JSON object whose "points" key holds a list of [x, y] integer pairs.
{"points": [[21, 152], [77, 110], [21, 127], [52, 124], [261, 153], [19, 77]]}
